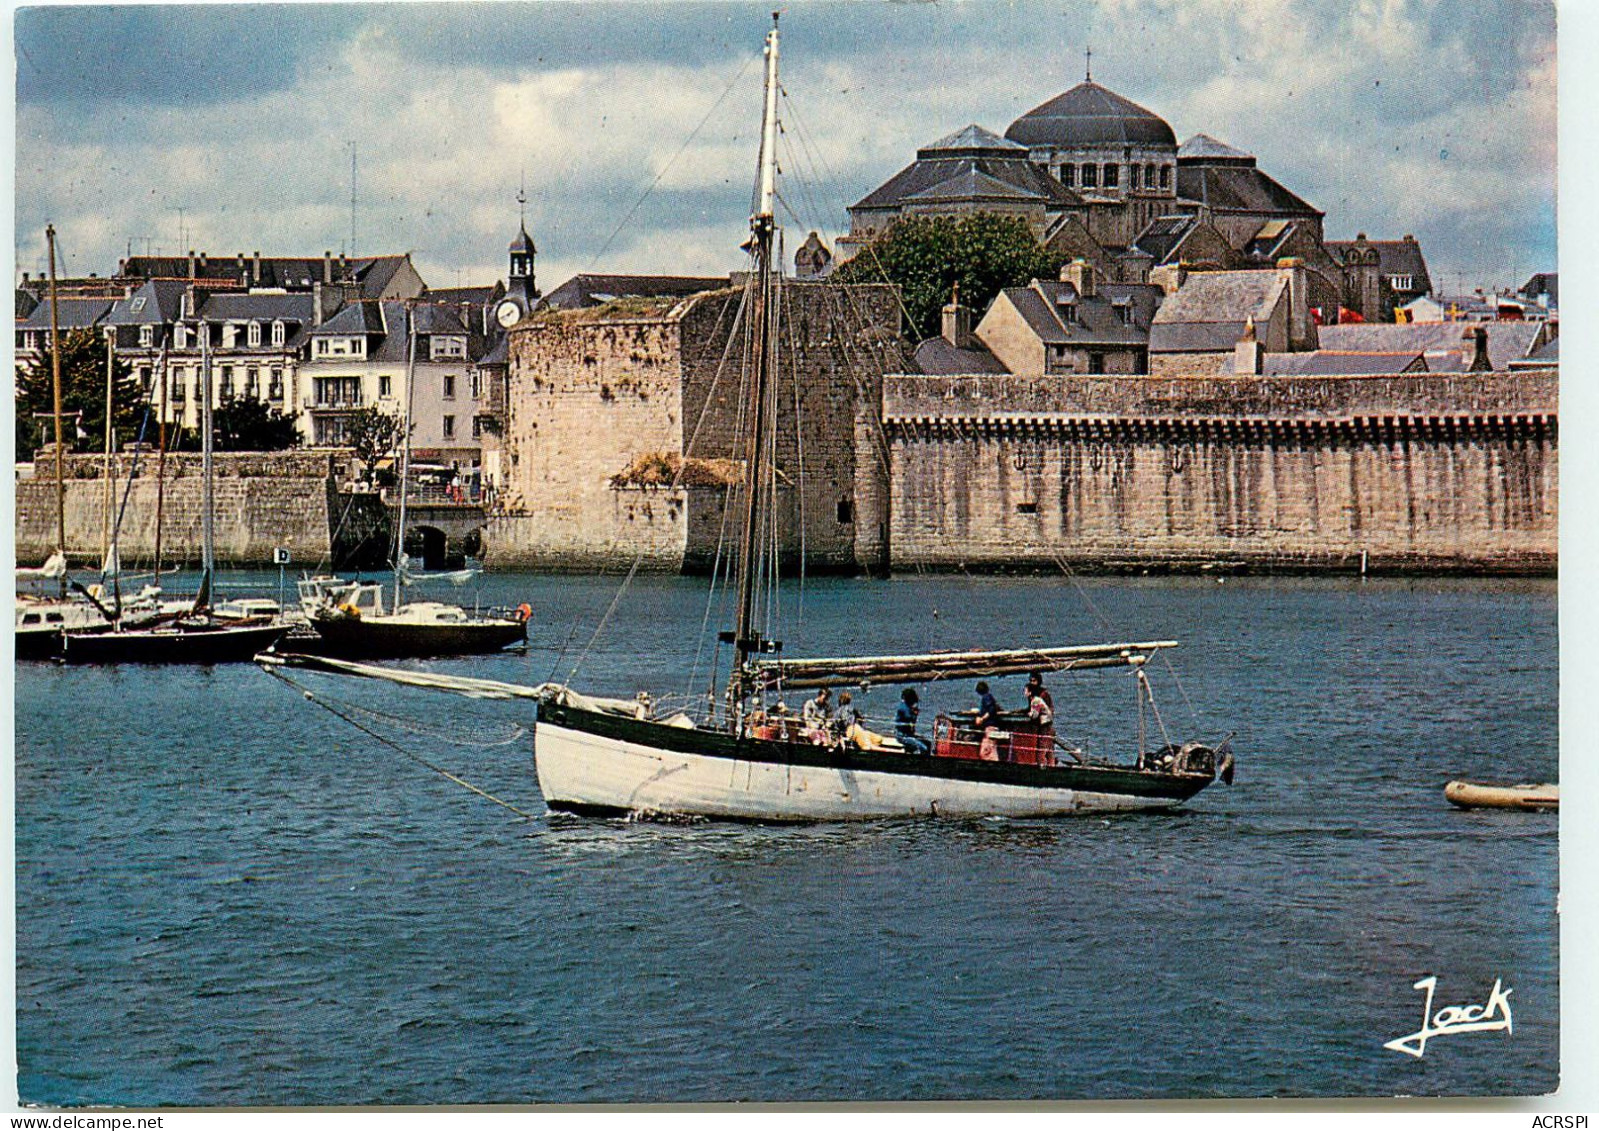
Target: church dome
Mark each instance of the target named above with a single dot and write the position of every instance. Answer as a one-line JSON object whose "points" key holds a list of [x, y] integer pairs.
{"points": [[1088, 114]]}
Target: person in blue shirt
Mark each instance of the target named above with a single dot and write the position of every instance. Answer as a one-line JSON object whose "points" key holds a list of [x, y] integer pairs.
{"points": [[987, 716], [905, 723]]}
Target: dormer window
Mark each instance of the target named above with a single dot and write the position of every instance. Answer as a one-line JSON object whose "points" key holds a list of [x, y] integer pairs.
{"points": [[180, 336], [255, 334], [1090, 176], [1401, 282], [1067, 175], [146, 336], [230, 334], [1124, 311], [277, 333], [445, 346], [1068, 311]]}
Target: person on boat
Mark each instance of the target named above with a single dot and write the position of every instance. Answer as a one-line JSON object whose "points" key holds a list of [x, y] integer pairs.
{"points": [[1039, 711], [846, 717], [1036, 689], [816, 714], [905, 723], [987, 716]]}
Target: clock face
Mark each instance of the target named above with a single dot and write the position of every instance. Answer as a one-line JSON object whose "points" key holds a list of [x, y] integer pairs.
{"points": [[509, 313]]}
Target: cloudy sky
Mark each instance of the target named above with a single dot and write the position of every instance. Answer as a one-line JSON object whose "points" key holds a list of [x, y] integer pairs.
{"points": [[229, 128]]}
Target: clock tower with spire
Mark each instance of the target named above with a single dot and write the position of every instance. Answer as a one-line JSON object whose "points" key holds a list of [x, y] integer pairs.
{"points": [[522, 293]]}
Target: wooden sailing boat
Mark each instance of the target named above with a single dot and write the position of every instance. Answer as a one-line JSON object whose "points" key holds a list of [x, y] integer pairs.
{"points": [[352, 619], [195, 635], [757, 762]]}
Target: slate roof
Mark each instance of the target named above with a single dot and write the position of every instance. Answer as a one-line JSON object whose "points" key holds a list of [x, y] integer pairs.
{"points": [[1543, 357], [438, 318], [1264, 246], [1543, 283], [356, 318], [499, 352], [1164, 235], [158, 302], [523, 242], [1507, 341], [1234, 187], [277, 271], [1089, 114], [476, 296], [594, 290], [937, 358], [970, 174], [1203, 147], [972, 141], [1207, 314], [1394, 257], [258, 308], [72, 314], [1097, 322], [1338, 363], [26, 300]]}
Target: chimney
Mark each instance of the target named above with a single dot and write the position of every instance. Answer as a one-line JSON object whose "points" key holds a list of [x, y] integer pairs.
{"points": [[957, 325], [256, 270], [191, 263], [327, 267], [1249, 355], [1080, 274], [344, 266], [202, 261], [1301, 327], [1475, 351], [1169, 278]]}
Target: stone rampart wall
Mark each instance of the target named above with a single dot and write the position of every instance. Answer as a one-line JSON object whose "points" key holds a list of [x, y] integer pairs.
{"points": [[1441, 472], [263, 500]]}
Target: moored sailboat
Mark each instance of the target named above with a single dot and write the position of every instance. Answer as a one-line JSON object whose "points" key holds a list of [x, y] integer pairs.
{"points": [[194, 635], [354, 620], [751, 758]]}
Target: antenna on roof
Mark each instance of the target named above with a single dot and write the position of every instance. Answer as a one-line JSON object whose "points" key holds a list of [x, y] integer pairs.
{"points": [[1088, 64], [352, 198]]}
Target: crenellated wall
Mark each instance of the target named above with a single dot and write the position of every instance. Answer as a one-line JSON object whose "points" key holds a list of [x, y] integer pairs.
{"points": [[1433, 472]]}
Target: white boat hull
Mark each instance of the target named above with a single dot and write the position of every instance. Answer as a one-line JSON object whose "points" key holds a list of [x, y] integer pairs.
{"points": [[585, 772]]}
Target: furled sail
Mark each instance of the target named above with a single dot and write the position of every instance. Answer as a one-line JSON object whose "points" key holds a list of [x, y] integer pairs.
{"points": [[931, 666]]}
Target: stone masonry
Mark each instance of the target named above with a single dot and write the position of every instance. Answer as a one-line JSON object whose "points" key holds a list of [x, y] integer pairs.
{"points": [[1427, 471], [595, 393]]}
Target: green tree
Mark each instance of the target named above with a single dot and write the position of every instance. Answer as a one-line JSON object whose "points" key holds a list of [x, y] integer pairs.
{"points": [[83, 361], [373, 434], [926, 256], [244, 424]]}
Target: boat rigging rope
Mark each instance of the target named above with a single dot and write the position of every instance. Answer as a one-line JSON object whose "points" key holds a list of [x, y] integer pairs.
{"points": [[328, 705], [639, 203]]}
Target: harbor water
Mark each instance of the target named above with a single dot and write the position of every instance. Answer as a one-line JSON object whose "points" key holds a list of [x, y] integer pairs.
{"points": [[229, 893]]}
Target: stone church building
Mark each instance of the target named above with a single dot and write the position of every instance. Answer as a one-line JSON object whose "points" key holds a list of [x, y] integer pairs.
{"points": [[1102, 179]]}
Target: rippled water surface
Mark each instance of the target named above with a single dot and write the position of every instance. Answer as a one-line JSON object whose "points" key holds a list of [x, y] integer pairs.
{"points": [[228, 895]]}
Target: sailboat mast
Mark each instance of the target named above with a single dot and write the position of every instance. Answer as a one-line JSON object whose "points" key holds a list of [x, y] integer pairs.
{"points": [[762, 225], [161, 460], [207, 547], [405, 451], [55, 373], [110, 495]]}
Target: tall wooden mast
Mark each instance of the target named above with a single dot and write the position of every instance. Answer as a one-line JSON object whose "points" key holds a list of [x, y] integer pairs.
{"points": [[55, 372], [762, 226]]}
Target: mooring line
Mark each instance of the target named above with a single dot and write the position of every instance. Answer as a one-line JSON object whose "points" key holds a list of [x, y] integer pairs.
{"points": [[417, 758]]}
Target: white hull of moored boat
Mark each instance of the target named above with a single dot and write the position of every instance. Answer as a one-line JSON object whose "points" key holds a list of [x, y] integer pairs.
{"points": [[585, 772]]}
